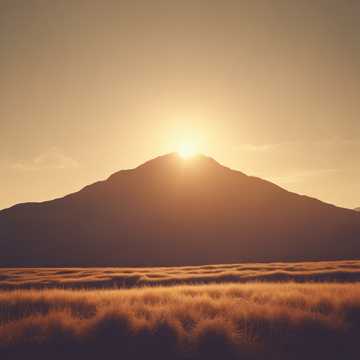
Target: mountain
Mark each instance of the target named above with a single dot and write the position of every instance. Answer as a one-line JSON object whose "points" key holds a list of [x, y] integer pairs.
{"points": [[357, 209], [171, 211]]}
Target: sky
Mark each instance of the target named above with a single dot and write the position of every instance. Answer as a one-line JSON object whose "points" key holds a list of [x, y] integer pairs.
{"points": [[270, 88]]}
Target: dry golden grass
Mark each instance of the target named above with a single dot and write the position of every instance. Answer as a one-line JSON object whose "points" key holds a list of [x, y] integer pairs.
{"points": [[218, 321], [340, 271]]}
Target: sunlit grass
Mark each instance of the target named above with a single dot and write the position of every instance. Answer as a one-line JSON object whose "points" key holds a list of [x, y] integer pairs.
{"points": [[198, 321]]}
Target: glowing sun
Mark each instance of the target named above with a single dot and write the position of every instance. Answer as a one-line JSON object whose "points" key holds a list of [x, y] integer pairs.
{"points": [[187, 150]]}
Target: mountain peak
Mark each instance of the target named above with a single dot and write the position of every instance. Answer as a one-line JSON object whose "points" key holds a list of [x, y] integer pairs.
{"points": [[174, 160], [167, 169]]}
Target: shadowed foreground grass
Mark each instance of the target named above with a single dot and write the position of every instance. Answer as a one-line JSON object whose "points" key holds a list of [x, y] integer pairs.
{"points": [[228, 321]]}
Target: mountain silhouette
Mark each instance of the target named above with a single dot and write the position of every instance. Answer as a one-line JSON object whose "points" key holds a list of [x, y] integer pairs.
{"points": [[171, 211]]}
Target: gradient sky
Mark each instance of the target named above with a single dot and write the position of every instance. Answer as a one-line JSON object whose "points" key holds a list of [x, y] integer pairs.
{"points": [[271, 88]]}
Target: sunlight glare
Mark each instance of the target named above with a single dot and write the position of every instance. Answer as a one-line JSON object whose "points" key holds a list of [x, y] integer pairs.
{"points": [[187, 150]]}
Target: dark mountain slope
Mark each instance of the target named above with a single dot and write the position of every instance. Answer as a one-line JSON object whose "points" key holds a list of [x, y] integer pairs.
{"points": [[171, 211]]}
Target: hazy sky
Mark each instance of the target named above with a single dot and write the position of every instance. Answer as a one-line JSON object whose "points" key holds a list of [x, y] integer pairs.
{"points": [[271, 88]]}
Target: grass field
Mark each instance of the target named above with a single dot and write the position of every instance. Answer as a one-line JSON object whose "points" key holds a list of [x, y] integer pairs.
{"points": [[321, 271], [211, 321]]}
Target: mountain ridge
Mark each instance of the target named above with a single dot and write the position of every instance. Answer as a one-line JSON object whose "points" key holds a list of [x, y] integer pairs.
{"points": [[175, 157]]}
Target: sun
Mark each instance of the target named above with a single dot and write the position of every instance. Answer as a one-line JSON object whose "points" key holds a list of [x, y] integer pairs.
{"points": [[187, 150]]}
